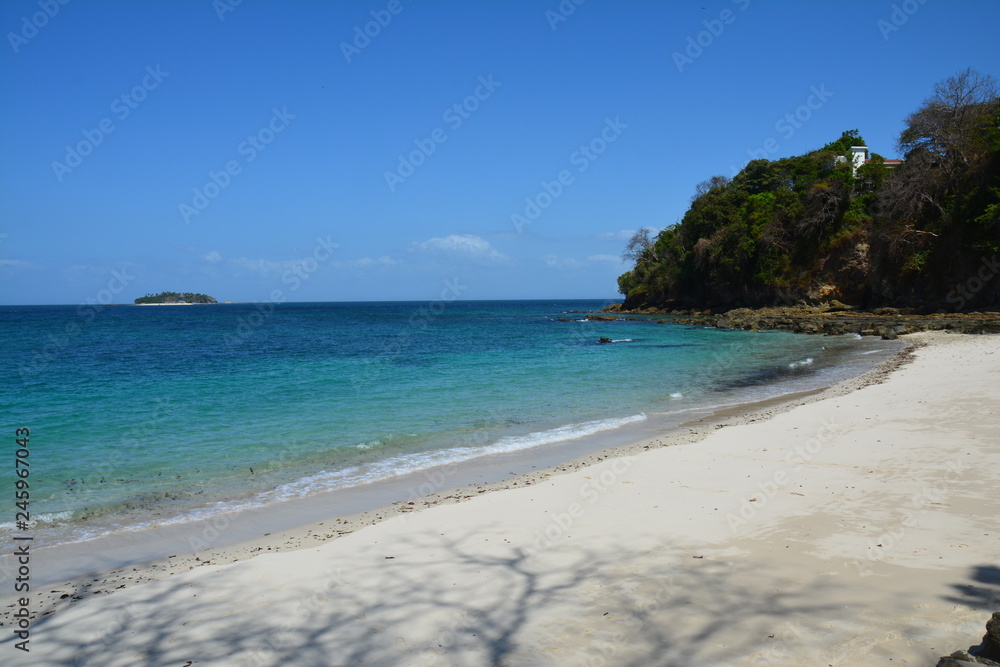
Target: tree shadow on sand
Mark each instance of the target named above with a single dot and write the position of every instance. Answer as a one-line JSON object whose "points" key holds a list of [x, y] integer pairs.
{"points": [[982, 591], [431, 600]]}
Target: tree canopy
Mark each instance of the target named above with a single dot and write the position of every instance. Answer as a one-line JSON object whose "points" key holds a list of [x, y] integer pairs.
{"points": [[812, 227], [176, 297]]}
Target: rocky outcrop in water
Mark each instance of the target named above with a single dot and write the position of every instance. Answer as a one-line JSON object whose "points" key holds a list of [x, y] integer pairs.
{"points": [[835, 318], [865, 324]]}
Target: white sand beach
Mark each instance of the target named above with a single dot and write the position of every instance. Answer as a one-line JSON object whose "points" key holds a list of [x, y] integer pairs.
{"points": [[862, 528]]}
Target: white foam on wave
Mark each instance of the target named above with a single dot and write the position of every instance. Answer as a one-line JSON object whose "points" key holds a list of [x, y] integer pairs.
{"points": [[410, 463], [373, 472], [54, 517], [568, 432], [369, 445], [45, 518], [677, 394], [799, 364], [623, 340], [40, 520]]}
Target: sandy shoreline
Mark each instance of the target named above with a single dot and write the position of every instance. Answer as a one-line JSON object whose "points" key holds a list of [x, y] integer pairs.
{"points": [[852, 527], [79, 570]]}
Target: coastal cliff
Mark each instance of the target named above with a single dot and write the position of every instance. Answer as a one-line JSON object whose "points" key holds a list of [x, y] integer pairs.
{"points": [[840, 223]]}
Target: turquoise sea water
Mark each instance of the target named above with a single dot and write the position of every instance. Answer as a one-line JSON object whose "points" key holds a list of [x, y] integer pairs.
{"points": [[141, 415]]}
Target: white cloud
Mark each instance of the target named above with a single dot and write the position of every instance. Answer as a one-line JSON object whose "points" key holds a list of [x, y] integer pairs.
{"points": [[604, 258], [554, 262], [368, 261], [264, 267], [457, 246], [19, 264], [267, 268], [87, 268], [622, 235], [92, 270]]}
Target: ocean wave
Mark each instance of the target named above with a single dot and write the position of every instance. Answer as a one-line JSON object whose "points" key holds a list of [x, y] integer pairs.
{"points": [[568, 432], [369, 445], [409, 463], [370, 472], [798, 364], [43, 520]]}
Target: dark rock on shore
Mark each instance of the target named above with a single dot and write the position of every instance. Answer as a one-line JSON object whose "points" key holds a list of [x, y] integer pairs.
{"points": [[608, 318], [990, 646], [987, 653], [836, 318], [840, 322]]}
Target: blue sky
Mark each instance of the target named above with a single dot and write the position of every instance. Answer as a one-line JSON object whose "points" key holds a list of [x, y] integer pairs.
{"points": [[242, 150]]}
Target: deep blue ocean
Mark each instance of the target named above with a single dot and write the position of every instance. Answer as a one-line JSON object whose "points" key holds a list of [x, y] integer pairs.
{"points": [[153, 414]]}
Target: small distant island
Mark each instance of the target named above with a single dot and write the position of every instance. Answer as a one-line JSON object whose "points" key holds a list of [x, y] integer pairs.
{"points": [[174, 299]]}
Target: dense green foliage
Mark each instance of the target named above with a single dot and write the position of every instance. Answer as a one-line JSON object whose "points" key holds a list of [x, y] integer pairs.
{"points": [[176, 297], [810, 228]]}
